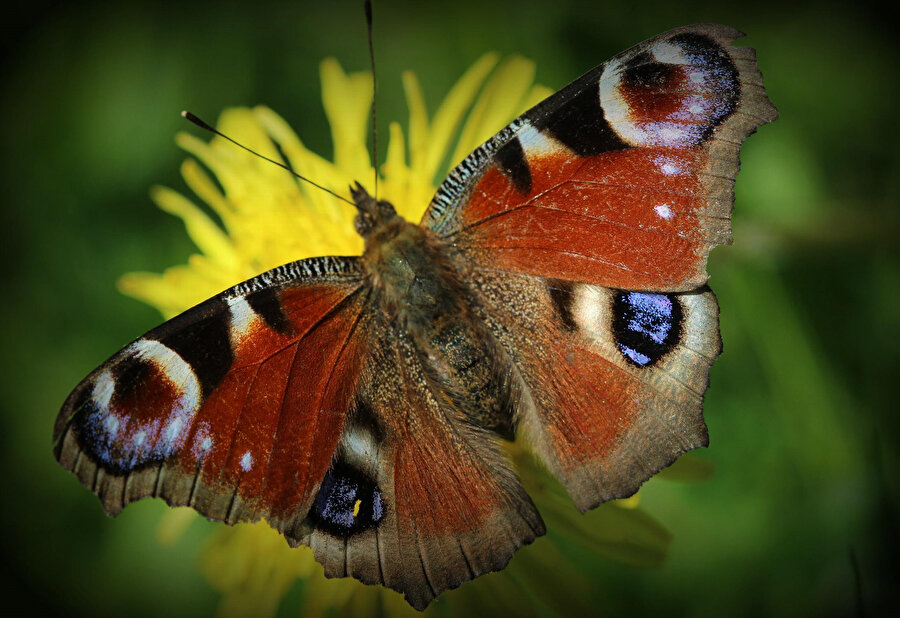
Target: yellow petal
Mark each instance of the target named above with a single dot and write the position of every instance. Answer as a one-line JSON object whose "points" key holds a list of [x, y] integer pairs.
{"points": [[450, 113], [312, 166], [418, 119], [347, 100], [499, 102], [537, 94], [208, 236], [396, 172], [628, 503], [207, 190]]}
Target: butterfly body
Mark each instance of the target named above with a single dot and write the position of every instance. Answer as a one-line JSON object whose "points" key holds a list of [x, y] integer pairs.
{"points": [[554, 292], [418, 286]]}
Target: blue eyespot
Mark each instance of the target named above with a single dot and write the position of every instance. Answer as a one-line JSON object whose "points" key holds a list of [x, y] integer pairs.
{"points": [[348, 502], [646, 326]]}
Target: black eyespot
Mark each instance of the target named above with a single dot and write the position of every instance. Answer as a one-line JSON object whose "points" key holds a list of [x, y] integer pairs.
{"points": [[348, 502], [649, 75], [646, 326]]}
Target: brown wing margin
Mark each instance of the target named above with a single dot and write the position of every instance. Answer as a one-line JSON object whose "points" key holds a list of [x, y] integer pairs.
{"points": [[234, 407]]}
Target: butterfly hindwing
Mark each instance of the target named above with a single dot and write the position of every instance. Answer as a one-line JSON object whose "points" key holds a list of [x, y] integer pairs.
{"points": [[624, 178], [615, 379], [418, 499], [234, 407]]}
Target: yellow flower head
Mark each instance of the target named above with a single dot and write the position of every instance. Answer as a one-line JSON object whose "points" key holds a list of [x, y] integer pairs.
{"points": [[267, 218]]}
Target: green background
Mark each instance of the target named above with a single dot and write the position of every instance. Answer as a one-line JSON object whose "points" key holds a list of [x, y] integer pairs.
{"points": [[800, 517]]}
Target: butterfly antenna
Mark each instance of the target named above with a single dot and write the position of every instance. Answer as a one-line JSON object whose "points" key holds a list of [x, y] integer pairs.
{"points": [[189, 116], [374, 91]]}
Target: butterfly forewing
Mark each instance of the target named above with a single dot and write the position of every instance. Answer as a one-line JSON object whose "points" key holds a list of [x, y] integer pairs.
{"points": [[624, 178], [234, 407]]}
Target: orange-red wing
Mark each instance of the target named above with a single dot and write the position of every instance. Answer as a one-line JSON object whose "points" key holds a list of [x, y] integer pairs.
{"points": [[624, 178], [234, 407], [417, 499], [614, 379]]}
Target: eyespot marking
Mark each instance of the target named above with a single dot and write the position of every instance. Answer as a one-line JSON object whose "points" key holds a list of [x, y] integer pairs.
{"points": [[348, 502], [139, 409], [673, 95], [646, 326]]}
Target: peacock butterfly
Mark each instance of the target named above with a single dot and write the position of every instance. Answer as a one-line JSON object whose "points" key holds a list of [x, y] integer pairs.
{"points": [[555, 289]]}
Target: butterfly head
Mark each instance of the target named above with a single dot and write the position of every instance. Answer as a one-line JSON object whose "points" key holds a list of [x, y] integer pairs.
{"points": [[374, 216]]}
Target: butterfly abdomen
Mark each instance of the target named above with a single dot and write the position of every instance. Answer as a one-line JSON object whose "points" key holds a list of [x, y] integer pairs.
{"points": [[468, 367]]}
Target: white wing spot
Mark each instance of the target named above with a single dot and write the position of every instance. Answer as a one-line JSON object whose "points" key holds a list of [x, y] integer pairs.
{"points": [[668, 53], [588, 305], [104, 388], [247, 462], [173, 430], [242, 318], [536, 143], [665, 211], [670, 166]]}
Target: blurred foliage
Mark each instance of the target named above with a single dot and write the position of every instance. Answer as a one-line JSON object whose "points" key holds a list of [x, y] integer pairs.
{"points": [[800, 517]]}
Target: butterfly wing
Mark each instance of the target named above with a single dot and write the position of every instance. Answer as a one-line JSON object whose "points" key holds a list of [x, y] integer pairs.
{"points": [[417, 499], [235, 407], [624, 178], [614, 379]]}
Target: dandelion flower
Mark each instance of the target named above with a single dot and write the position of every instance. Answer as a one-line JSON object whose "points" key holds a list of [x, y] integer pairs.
{"points": [[266, 218]]}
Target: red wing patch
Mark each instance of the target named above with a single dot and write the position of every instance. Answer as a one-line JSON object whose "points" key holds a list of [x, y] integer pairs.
{"points": [[617, 218], [234, 407]]}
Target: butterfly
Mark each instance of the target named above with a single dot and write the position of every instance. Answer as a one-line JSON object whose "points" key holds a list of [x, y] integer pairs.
{"points": [[554, 291]]}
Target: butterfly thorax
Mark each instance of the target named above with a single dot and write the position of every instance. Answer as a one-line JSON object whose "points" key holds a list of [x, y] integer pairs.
{"points": [[420, 292]]}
